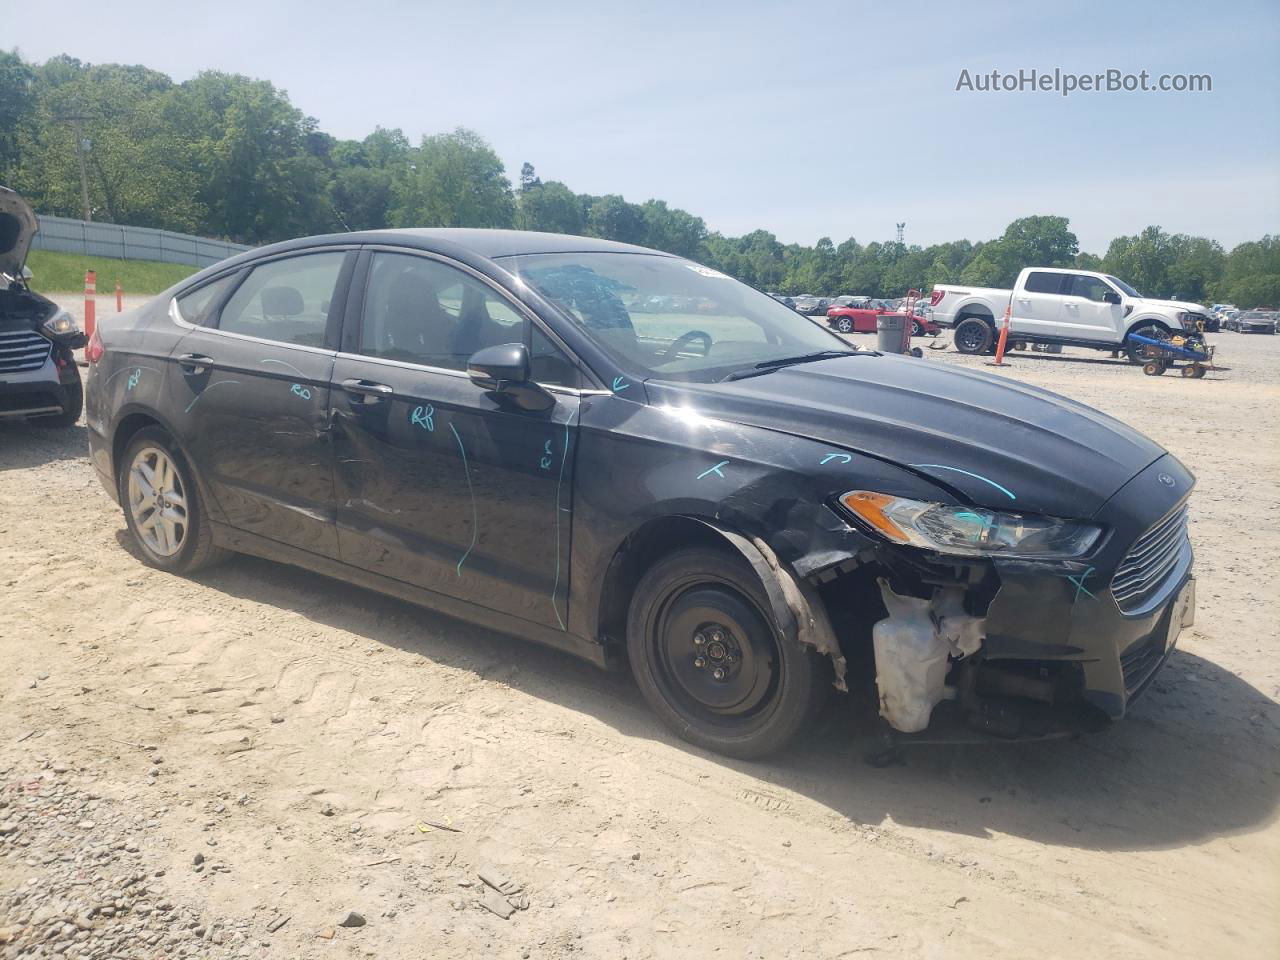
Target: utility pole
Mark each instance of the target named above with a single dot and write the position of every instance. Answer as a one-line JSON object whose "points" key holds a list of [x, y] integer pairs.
{"points": [[82, 147]]}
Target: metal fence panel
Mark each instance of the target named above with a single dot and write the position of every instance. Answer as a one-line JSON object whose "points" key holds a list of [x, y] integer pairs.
{"points": [[120, 242]]}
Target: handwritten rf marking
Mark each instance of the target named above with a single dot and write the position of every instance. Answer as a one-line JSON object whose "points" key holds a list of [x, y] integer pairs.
{"points": [[423, 417]]}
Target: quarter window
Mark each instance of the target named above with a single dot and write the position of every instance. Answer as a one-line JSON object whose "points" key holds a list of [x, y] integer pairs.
{"points": [[197, 306], [1041, 282], [285, 300]]}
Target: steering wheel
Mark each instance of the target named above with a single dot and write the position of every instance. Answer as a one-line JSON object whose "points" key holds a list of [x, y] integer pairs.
{"points": [[684, 340]]}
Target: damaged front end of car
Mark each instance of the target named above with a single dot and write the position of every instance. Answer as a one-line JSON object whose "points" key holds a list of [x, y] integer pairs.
{"points": [[1058, 636]]}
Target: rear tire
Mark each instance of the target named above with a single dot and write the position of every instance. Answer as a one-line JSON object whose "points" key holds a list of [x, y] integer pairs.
{"points": [[69, 416], [709, 661], [973, 336], [162, 505]]}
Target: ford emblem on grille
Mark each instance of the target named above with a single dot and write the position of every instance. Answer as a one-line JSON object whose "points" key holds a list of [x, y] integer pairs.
{"points": [[1165, 479]]}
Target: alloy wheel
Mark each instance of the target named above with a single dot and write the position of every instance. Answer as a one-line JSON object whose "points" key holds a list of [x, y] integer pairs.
{"points": [[157, 501]]}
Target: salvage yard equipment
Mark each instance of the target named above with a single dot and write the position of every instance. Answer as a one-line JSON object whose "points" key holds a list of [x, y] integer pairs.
{"points": [[1159, 354]]}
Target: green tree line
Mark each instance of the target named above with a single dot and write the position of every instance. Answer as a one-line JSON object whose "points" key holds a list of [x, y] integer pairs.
{"points": [[229, 156]]}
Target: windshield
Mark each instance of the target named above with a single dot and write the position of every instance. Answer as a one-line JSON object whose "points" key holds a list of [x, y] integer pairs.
{"points": [[1125, 287], [672, 319]]}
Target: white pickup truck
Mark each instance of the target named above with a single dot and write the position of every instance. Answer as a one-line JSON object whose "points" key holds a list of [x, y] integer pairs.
{"points": [[1076, 308]]}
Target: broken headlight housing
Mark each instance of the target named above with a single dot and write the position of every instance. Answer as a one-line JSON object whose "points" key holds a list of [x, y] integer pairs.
{"points": [[970, 531]]}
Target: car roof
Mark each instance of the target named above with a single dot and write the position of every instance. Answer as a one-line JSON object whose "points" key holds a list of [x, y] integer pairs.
{"points": [[483, 242]]}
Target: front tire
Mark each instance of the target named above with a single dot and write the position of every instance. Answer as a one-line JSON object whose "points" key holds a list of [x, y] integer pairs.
{"points": [[1141, 352], [709, 661], [162, 505], [973, 336], [844, 325]]}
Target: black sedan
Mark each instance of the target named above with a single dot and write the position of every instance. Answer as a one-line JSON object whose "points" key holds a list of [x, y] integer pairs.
{"points": [[748, 510]]}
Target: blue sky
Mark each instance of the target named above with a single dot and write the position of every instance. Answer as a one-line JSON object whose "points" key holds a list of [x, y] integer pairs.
{"points": [[807, 119]]}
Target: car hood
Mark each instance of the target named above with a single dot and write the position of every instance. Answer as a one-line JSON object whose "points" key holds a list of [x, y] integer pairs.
{"points": [[17, 226], [1172, 305], [991, 441]]}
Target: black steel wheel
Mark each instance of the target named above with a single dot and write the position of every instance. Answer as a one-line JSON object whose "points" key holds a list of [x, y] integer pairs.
{"points": [[709, 660]]}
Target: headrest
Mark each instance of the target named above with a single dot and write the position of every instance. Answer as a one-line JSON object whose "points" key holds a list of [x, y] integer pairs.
{"points": [[281, 302]]}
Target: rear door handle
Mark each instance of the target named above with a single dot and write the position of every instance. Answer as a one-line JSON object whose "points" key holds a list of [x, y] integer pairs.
{"points": [[368, 389], [194, 362]]}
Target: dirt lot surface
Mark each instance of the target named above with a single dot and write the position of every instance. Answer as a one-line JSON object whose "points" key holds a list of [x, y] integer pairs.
{"points": [[322, 750]]}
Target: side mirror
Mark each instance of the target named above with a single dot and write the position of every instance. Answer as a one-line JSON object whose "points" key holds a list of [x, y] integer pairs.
{"points": [[1111, 297], [499, 368], [504, 371]]}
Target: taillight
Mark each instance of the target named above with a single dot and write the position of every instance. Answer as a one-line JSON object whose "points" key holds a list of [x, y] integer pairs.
{"points": [[936, 297], [94, 350]]}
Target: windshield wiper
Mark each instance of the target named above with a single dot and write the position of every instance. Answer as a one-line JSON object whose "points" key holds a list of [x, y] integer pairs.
{"points": [[768, 366]]}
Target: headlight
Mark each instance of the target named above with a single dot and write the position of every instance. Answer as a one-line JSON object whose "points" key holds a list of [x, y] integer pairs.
{"points": [[970, 531], [61, 323]]}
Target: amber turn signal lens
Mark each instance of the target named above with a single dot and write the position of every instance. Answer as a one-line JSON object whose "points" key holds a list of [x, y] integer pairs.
{"points": [[870, 507]]}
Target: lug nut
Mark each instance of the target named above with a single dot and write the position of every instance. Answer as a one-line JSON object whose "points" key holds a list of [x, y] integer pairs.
{"points": [[718, 673], [700, 662], [717, 636], [699, 639]]}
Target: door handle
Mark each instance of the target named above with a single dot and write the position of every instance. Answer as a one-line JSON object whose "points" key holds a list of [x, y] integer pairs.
{"points": [[194, 362], [368, 389]]}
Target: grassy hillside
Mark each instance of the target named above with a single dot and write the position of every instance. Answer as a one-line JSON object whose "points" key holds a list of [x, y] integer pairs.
{"points": [[64, 273]]}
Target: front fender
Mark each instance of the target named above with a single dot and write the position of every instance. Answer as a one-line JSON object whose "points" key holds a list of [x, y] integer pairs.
{"points": [[769, 490]]}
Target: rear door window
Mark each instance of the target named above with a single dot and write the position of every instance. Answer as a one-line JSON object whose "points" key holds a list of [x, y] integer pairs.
{"points": [[1041, 282], [285, 300]]}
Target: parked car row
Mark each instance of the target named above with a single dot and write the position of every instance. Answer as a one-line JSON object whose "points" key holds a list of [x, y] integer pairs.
{"points": [[1252, 321]]}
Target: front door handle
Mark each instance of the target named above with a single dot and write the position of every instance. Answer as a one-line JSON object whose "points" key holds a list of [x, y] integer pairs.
{"points": [[194, 362], [368, 389]]}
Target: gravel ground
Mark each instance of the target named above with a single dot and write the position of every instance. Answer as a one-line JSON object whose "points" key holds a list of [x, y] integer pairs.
{"points": [[234, 764]]}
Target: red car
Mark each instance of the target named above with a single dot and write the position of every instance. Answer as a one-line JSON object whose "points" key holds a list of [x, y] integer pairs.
{"points": [[863, 320]]}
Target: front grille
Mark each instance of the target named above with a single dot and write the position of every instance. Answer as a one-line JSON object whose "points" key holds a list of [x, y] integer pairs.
{"points": [[23, 350], [1148, 564]]}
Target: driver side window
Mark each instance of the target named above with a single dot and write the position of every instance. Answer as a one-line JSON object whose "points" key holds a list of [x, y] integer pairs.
{"points": [[1091, 288]]}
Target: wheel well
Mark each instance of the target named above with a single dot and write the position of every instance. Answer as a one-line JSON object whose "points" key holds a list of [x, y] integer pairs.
{"points": [[975, 313], [125, 431], [1147, 322], [637, 553]]}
